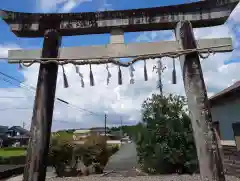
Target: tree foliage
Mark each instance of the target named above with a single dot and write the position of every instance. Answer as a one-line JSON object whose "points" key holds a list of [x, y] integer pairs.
{"points": [[165, 141]]}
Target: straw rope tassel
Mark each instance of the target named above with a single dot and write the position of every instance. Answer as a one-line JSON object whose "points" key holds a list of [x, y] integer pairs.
{"points": [[91, 77], [65, 82], [174, 76], [119, 76], [145, 71]]}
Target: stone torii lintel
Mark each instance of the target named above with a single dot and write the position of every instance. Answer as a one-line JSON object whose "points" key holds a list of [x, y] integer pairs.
{"points": [[116, 49]]}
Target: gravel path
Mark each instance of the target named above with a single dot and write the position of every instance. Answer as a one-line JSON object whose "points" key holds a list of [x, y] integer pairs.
{"points": [[141, 178], [50, 174]]}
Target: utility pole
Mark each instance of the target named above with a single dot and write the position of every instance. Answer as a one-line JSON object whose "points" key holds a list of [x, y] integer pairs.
{"points": [[36, 163], [105, 124], [160, 69], [210, 162], [121, 130]]}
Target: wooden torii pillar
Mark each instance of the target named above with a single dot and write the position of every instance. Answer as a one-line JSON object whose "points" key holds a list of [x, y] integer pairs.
{"points": [[53, 26], [38, 148], [210, 161]]}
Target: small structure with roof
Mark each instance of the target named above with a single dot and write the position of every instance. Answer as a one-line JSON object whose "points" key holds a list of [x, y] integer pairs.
{"points": [[225, 108], [19, 135]]}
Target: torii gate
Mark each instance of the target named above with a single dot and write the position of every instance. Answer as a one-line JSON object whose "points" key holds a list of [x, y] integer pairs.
{"points": [[182, 18]]}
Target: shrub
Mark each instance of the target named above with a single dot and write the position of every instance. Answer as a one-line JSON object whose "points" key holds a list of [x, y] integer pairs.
{"points": [[97, 146], [61, 155]]}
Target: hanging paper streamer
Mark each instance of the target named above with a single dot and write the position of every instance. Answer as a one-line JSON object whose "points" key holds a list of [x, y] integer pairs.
{"points": [[174, 77], [119, 76], [108, 75], [82, 81], [91, 76], [159, 71], [145, 71], [132, 74], [65, 78], [80, 75]]}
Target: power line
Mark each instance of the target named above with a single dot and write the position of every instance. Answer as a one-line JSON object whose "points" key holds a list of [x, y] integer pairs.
{"points": [[21, 108], [60, 100], [4, 109], [33, 89], [11, 97]]}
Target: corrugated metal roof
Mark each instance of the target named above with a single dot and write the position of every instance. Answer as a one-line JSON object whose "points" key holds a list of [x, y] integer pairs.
{"points": [[234, 87], [81, 131]]}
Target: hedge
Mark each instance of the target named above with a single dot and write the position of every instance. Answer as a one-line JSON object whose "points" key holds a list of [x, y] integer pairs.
{"points": [[14, 148], [14, 160]]}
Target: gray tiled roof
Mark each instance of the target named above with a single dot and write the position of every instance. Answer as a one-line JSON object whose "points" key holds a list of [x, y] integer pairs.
{"points": [[232, 88]]}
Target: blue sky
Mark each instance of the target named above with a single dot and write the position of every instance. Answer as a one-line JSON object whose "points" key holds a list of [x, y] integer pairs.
{"points": [[130, 96]]}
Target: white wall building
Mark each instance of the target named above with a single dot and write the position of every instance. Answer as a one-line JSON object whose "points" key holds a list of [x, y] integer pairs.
{"points": [[225, 108]]}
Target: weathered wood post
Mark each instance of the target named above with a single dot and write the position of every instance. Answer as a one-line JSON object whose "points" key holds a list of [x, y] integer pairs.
{"points": [[35, 169], [211, 167]]}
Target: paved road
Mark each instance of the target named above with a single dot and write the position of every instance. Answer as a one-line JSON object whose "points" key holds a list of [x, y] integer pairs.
{"points": [[8, 167], [124, 161]]}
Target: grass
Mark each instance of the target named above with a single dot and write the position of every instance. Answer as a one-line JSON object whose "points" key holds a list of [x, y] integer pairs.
{"points": [[11, 153]]}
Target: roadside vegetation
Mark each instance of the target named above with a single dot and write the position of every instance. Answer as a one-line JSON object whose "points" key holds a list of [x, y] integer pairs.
{"points": [[164, 138]]}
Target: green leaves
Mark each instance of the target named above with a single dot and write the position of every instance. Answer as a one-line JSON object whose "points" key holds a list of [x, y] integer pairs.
{"points": [[165, 143]]}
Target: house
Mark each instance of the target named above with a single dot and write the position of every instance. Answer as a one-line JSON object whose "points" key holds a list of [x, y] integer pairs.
{"points": [[225, 109], [19, 134], [83, 133], [15, 134], [80, 135], [17, 131]]}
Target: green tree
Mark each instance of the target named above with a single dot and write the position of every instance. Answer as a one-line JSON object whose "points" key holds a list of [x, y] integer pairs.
{"points": [[165, 143]]}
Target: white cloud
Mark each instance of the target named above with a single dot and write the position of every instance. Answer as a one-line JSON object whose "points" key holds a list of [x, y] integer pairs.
{"points": [[59, 5], [5, 47], [235, 14], [104, 5], [124, 100]]}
